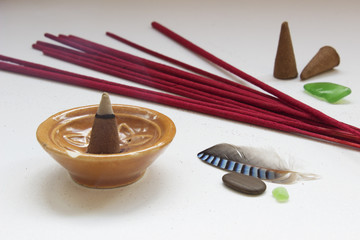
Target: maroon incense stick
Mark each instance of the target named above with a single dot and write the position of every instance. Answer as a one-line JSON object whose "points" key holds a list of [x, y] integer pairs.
{"points": [[208, 94], [184, 65], [186, 43], [188, 92], [179, 89], [194, 105], [91, 47], [116, 53], [215, 93], [170, 100]]}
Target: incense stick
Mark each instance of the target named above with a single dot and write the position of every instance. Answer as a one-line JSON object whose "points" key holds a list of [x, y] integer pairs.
{"points": [[108, 68], [208, 94], [104, 51], [193, 105], [215, 93], [196, 49], [188, 92], [184, 65]]}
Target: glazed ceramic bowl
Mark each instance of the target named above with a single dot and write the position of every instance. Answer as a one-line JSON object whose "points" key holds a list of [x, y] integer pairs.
{"points": [[144, 134]]}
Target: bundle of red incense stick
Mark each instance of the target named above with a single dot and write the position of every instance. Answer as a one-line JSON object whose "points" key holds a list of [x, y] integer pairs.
{"points": [[195, 89]]}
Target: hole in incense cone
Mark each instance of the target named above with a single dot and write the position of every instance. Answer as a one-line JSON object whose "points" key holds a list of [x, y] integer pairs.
{"points": [[285, 64], [325, 59]]}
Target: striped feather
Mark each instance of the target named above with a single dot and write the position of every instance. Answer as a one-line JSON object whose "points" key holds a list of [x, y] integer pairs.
{"points": [[241, 160]]}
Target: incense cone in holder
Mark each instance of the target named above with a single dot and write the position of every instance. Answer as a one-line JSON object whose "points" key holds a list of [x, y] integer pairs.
{"points": [[285, 64], [144, 135], [104, 138], [325, 59]]}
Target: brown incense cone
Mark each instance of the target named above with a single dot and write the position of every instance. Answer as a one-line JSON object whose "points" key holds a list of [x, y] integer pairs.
{"points": [[326, 59], [104, 138], [285, 64]]}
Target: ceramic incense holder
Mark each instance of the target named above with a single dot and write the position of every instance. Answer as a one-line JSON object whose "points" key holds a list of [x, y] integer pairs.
{"points": [[144, 134]]}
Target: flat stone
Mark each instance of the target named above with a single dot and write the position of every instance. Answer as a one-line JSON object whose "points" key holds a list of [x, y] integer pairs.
{"points": [[329, 92], [244, 184]]}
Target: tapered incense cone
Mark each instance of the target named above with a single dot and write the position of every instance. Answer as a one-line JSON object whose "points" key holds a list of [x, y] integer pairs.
{"points": [[325, 59], [104, 138], [285, 64]]}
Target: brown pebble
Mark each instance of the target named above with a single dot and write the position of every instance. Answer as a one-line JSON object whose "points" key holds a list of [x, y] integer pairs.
{"points": [[325, 59], [244, 184], [285, 64]]}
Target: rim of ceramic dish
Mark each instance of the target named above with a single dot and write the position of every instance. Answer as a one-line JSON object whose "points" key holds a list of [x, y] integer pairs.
{"points": [[44, 138]]}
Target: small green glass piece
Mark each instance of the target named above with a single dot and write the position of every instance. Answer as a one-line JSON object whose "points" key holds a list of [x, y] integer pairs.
{"points": [[330, 92], [281, 194]]}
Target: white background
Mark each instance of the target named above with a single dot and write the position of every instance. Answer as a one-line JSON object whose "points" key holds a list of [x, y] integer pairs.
{"points": [[179, 197]]}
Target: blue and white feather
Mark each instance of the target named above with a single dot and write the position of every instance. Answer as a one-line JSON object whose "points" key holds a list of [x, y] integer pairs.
{"points": [[259, 163]]}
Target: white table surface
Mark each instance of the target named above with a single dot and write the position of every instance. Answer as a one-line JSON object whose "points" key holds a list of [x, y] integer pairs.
{"points": [[179, 197]]}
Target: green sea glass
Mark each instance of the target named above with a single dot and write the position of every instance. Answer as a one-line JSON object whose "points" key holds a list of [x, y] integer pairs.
{"points": [[281, 194], [330, 92]]}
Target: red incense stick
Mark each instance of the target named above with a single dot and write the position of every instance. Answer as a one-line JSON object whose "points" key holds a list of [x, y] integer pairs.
{"points": [[247, 112], [188, 92], [91, 47], [115, 53], [179, 89], [184, 103], [215, 93], [181, 64], [184, 42]]}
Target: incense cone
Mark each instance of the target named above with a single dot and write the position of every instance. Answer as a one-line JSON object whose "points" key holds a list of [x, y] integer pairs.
{"points": [[285, 64], [326, 59], [104, 138]]}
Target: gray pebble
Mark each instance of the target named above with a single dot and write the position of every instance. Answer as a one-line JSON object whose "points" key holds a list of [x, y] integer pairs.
{"points": [[244, 184]]}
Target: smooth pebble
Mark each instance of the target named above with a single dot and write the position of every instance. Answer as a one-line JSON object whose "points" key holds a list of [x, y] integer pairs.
{"points": [[244, 184]]}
